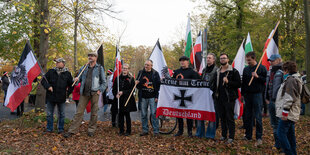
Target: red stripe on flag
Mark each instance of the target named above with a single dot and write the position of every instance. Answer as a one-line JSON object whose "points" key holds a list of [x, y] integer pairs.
{"points": [[241, 104], [184, 113], [197, 48], [19, 95], [265, 61], [88, 107]]}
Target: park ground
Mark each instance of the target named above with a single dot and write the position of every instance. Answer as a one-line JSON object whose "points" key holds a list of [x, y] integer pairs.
{"points": [[26, 135]]}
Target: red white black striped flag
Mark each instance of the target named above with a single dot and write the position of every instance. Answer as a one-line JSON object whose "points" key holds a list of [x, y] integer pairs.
{"points": [[21, 79]]}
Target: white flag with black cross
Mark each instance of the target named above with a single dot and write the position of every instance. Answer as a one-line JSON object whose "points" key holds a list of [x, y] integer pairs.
{"points": [[190, 99]]}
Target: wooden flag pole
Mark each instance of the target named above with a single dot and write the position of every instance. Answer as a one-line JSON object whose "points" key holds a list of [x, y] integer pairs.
{"points": [[260, 61], [130, 94], [80, 73]]}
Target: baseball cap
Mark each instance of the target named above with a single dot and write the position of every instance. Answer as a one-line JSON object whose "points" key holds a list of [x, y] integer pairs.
{"points": [[183, 58], [273, 57]]}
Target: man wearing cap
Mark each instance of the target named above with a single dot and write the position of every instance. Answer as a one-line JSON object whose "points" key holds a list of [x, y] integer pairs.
{"points": [[93, 82], [273, 82], [58, 83], [185, 72], [253, 96]]}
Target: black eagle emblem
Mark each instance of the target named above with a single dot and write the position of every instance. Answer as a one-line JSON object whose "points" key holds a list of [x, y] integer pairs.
{"points": [[18, 77], [165, 72]]}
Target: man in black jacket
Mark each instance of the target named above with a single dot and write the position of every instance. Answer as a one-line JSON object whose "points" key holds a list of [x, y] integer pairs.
{"points": [[148, 82], [5, 84], [185, 72], [253, 96], [225, 93], [58, 83]]}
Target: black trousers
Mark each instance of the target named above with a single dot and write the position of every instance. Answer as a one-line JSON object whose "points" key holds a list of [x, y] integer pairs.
{"points": [[189, 125], [121, 122], [226, 115], [20, 109]]}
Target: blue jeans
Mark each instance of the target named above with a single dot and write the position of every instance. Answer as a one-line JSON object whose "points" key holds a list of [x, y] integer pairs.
{"points": [[253, 109], [211, 129], [50, 115], [145, 103], [200, 132], [105, 107], [286, 133], [303, 109], [274, 121]]}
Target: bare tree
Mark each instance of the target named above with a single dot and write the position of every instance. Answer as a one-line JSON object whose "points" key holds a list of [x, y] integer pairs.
{"points": [[81, 11]]}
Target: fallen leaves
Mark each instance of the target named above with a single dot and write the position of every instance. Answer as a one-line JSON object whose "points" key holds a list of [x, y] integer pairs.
{"points": [[32, 139]]}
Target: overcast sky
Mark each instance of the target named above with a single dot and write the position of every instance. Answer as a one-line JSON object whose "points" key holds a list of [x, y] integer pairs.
{"points": [[148, 20]]}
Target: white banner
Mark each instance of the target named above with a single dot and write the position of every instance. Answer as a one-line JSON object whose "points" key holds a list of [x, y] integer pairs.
{"points": [[190, 99]]}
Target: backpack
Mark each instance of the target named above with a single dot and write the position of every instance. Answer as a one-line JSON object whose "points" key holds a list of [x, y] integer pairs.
{"points": [[305, 94]]}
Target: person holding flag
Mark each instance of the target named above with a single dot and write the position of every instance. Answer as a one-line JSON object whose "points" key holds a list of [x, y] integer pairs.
{"points": [[253, 96], [225, 92], [185, 72], [57, 83], [126, 84], [93, 82], [148, 81]]}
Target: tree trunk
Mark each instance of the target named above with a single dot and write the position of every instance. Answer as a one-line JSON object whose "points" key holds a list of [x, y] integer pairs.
{"points": [[44, 15], [307, 24], [36, 28], [76, 22]]}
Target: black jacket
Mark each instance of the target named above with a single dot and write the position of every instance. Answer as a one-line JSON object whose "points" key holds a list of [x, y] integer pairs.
{"points": [[187, 73], [61, 85], [5, 82], [231, 88], [126, 84], [258, 84], [156, 82]]}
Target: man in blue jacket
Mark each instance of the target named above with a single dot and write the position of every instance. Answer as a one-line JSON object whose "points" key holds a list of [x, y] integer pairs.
{"points": [[93, 82]]}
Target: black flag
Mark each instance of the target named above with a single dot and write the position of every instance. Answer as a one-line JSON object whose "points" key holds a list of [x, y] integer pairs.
{"points": [[100, 59]]}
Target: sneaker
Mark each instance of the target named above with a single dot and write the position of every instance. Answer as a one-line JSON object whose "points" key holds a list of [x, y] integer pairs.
{"points": [[60, 132], [178, 134], [121, 134], [68, 135], [259, 142], [245, 138], [90, 134], [229, 141], [222, 138], [144, 134], [126, 134]]}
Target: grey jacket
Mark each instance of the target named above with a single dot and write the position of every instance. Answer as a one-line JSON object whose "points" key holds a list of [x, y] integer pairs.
{"points": [[98, 79], [272, 89], [288, 98]]}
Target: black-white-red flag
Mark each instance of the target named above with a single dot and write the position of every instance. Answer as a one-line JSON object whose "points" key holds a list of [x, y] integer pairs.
{"points": [[21, 79]]}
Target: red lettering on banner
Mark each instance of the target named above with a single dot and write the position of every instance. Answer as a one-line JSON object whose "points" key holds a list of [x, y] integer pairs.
{"points": [[186, 113]]}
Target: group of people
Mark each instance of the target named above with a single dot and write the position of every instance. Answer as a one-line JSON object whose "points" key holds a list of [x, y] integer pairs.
{"points": [[280, 88]]}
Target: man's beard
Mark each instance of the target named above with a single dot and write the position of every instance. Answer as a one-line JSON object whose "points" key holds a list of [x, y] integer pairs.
{"points": [[223, 64]]}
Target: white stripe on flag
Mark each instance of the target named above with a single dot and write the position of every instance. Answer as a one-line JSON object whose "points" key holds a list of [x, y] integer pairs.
{"points": [[29, 63]]}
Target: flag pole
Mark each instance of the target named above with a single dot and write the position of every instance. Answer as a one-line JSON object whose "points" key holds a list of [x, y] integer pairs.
{"points": [[80, 73], [132, 91], [260, 61], [117, 78]]}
